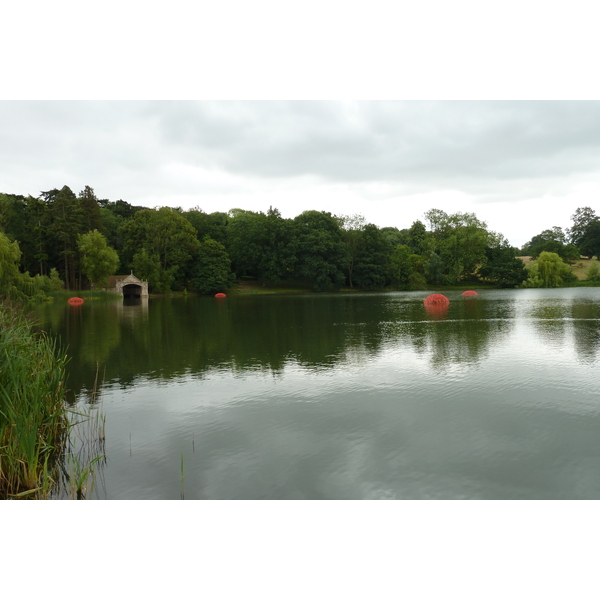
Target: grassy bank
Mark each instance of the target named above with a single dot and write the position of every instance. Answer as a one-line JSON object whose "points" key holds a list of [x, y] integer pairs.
{"points": [[64, 295], [254, 287], [33, 423]]}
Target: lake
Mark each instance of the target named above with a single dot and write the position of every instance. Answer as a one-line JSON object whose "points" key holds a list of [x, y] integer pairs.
{"points": [[340, 396]]}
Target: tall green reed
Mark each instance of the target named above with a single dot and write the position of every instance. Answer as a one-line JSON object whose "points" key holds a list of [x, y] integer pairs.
{"points": [[33, 423]]}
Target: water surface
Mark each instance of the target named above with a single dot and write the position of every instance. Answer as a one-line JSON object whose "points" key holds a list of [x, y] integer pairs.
{"points": [[344, 396]]}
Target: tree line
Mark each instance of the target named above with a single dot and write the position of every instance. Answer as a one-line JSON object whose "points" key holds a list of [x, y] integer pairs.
{"points": [[78, 240]]}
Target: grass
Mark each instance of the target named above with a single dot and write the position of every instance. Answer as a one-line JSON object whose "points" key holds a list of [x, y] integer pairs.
{"points": [[582, 266], [87, 295], [246, 286], [33, 422]]}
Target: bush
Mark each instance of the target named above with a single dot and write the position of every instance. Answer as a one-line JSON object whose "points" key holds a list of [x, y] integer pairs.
{"points": [[593, 273]]}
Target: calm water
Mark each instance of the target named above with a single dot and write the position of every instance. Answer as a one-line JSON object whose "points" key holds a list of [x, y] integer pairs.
{"points": [[342, 396]]}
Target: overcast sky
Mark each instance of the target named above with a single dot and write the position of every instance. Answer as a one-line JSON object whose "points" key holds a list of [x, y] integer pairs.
{"points": [[520, 166]]}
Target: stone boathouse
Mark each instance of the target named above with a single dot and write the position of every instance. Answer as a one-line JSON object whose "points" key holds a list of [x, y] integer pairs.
{"points": [[129, 286]]}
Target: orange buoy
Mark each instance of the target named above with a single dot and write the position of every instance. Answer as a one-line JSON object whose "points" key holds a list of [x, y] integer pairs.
{"points": [[220, 295], [436, 300], [470, 293], [75, 301], [437, 311]]}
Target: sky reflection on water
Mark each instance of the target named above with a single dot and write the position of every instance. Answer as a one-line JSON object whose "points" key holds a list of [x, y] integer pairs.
{"points": [[347, 396]]}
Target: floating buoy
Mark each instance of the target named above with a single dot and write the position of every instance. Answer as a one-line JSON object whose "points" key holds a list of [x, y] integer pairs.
{"points": [[470, 293], [220, 295], [436, 300], [75, 301], [437, 311]]}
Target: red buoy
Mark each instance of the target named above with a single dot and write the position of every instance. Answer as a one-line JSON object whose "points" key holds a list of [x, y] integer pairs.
{"points": [[437, 311], [75, 301], [220, 295], [470, 293], [436, 300]]}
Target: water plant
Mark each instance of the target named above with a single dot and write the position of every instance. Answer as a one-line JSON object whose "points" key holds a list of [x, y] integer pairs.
{"points": [[182, 494], [33, 423], [84, 454]]}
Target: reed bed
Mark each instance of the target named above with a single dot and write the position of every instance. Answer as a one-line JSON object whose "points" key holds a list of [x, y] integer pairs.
{"points": [[33, 422], [84, 455]]}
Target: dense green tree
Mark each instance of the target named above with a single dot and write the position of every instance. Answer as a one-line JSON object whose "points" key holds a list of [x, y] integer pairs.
{"points": [[439, 222], [551, 240], [502, 267], [581, 218], [21, 220], [164, 242], [65, 224], [212, 268], [417, 238], [278, 258], [147, 266], [123, 209], [98, 259], [90, 209], [406, 269], [435, 269], [460, 241], [259, 244], [352, 227], [10, 256], [400, 266], [589, 243], [394, 236], [18, 286], [37, 212], [9, 209], [213, 224], [549, 270], [371, 265], [320, 250], [110, 227]]}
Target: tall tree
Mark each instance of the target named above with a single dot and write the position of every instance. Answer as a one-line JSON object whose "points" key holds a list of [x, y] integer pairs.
{"points": [[417, 238], [259, 244], [371, 263], [90, 209], [213, 224], [98, 259], [551, 240], [320, 250], [167, 239], [212, 268], [353, 227], [460, 241], [502, 267], [66, 223], [581, 218], [589, 243]]}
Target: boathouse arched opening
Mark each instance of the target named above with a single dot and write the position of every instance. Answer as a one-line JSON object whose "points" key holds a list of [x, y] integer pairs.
{"points": [[132, 290]]}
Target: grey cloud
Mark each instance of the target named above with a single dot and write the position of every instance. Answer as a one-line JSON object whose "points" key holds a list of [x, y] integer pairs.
{"points": [[488, 148], [389, 141]]}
